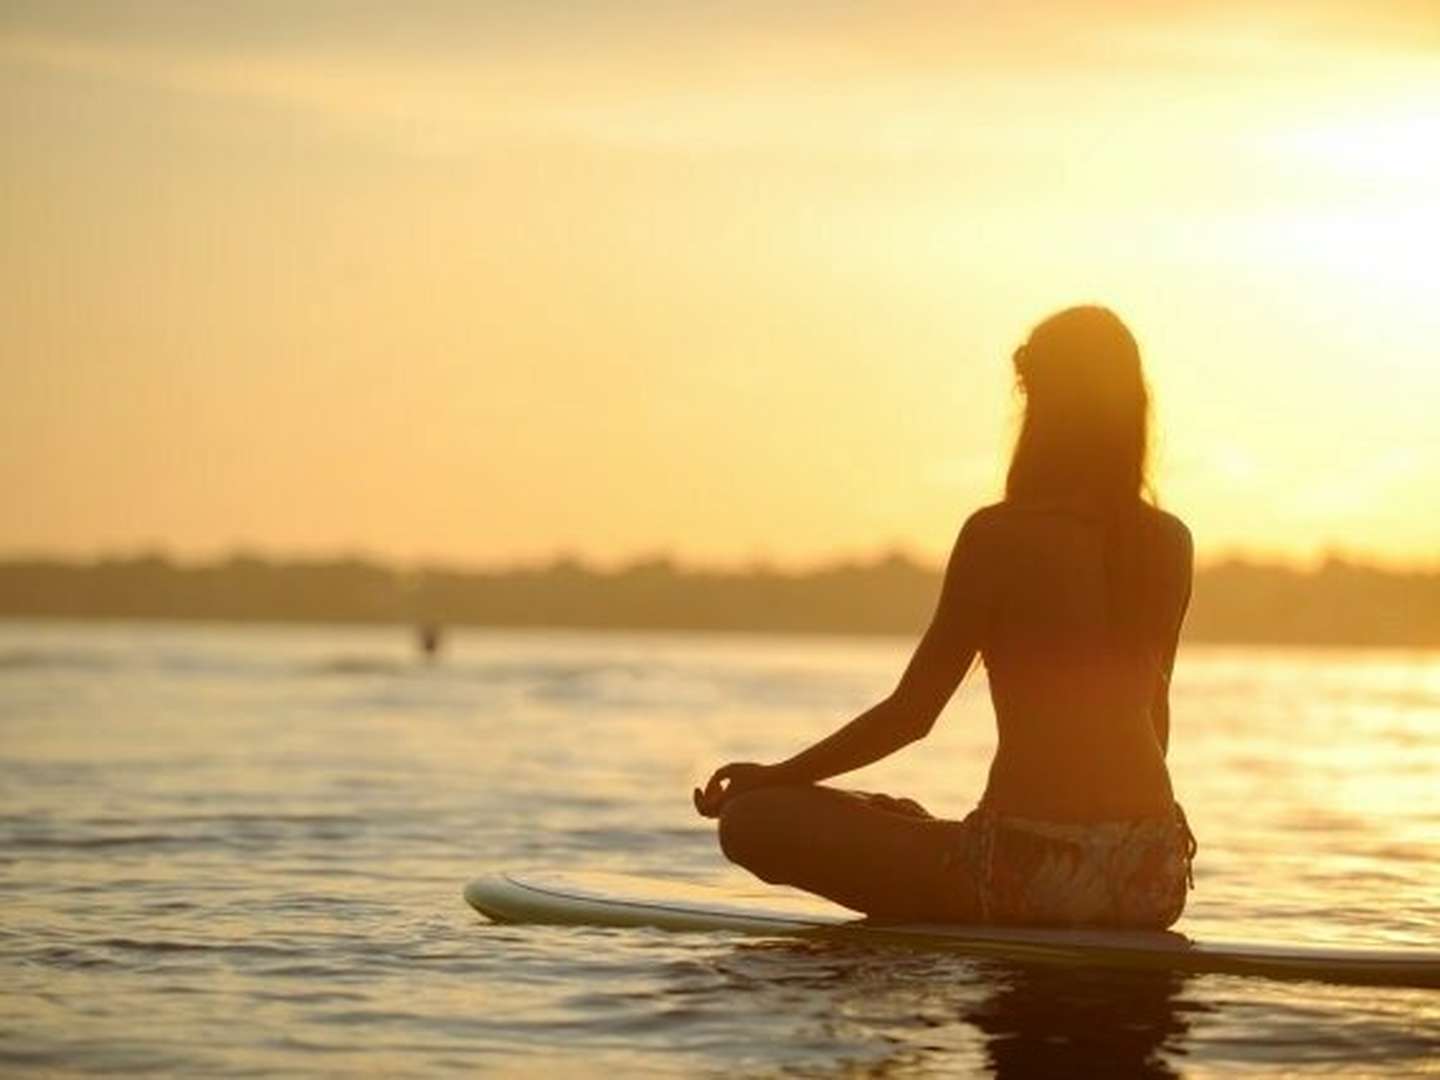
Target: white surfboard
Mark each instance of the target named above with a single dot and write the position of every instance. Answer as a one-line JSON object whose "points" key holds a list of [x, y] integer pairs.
{"points": [[594, 899]]}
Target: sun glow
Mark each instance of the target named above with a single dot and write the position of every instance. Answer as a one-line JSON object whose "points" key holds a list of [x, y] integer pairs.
{"points": [[500, 292]]}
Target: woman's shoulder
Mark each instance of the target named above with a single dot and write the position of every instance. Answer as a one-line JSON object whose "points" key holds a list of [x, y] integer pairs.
{"points": [[1173, 532], [1012, 519], [986, 516], [1010, 515], [987, 522]]}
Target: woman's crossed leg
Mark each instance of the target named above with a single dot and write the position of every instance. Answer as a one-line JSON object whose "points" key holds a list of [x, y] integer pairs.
{"points": [[882, 856]]}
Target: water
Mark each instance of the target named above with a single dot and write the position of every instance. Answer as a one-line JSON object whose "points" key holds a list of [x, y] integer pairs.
{"points": [[239, 850]]}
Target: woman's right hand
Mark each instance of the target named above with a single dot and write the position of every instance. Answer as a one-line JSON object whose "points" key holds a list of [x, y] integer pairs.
{"points": [[729, 781]]}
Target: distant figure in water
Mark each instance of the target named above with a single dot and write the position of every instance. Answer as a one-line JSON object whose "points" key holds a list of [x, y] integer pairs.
{"points": [[428, 637], [1072, 589]]}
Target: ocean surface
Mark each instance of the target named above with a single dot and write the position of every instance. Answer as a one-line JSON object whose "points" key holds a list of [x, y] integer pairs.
{"points": [[239, 850]]}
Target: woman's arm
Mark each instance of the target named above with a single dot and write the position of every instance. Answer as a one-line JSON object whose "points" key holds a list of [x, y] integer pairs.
{"points": [[1160, 706], [876, 733], [940, 662]]}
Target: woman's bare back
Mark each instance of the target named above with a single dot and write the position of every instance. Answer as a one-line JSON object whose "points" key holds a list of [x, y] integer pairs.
{"points": [[1082, 734]]}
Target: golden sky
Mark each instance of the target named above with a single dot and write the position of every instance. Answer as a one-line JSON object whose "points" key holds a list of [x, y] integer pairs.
{"points": [[488, 282]]}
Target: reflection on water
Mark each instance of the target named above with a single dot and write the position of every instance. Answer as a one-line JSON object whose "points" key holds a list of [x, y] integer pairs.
{"points": [[1058, 1022], [239, 850], [896, 1011]]}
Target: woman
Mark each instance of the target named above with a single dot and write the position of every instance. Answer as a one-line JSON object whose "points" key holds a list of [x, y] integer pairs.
{"points": [[1073, 590]]}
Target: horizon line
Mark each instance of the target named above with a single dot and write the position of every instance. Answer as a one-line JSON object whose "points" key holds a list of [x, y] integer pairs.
{"points": [[1326, 557]]}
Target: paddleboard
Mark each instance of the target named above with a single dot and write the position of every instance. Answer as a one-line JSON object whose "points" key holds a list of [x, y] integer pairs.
{"points": [[621, 900]]}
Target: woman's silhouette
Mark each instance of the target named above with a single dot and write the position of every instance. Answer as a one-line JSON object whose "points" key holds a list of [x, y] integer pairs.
{"points": [[1073, 590]]}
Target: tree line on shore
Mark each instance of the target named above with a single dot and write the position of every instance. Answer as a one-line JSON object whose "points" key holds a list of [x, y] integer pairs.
{"points": [[1338, 603]]}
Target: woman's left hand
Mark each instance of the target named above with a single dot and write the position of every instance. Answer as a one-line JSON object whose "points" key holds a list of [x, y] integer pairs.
{"points": [[729, 781]]}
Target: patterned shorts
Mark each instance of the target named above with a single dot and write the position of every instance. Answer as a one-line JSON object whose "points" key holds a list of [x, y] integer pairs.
{"points": [[1114, 873]]}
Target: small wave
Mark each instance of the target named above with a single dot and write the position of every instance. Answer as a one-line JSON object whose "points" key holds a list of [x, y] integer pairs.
{"points": [[163, 946], [229, 818], [232, 831], [91, 843], [70, 956], [51, 659], [359, 665]]}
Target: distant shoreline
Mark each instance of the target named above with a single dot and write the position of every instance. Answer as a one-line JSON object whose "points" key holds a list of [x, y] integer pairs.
{"points": [[1235, 602], [642, 631]]}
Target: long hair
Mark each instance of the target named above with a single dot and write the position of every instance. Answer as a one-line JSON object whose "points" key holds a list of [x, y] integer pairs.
{"points": [[1085, 434]]}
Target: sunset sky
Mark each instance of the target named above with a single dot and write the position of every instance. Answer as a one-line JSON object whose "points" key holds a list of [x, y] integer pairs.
{"points": [[489, 282]]}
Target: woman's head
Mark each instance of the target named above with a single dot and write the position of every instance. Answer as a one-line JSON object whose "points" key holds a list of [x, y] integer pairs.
{"points": [[1085, 430], [1085, 433]]}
